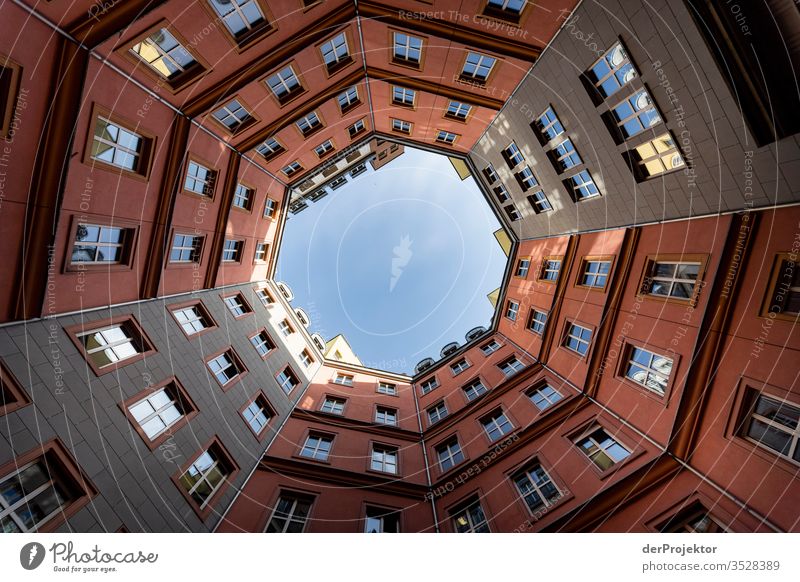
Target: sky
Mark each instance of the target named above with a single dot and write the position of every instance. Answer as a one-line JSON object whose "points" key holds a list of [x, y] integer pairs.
{"points": [[399, 261]]}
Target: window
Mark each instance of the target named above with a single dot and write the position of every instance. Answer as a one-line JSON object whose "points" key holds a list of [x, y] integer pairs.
{"points": [[335, 53], [284, 84], [648, 369], [232, 251], [523, 265], [386, 388], [287, 380], [537, 321], [549, 125], [243, 197], [206, 475], [449, 454], [491, 174], [186, 248], [237, 305], [564, 156], [539, 202], [96, 244], [356, 128], [384, 459], [511, 366], [317, 447], [12, 396], [261, 252], [672, 279], [167, 57], [290, 514], [783, 296], [501, 193], [446, 137], [657, 156], [513, 156], [773, 424], [536, 488], [490, 348], [226, 367], [270, 208], [159, 412], [257, 414], [40, 487], [333, 405], [10, 74], [635, 114], [526, 179], [612, 71], [306, 359], [602, 449], [120, 147], [477, 67], [403, 96], [577, 338], [496, 425], [348, 99], [243, 19], [265, 297], [262, 343], [199, 179], [285, 328], [474, 389], [437, 412], [470, 519], [385, 415], [407, 49], [512, 308], [291, 169], [343, 379], [338, 183], [270, 148], [429, 385], [379, 520], [544, 396], [692, 519], [459, 366], [594, 273], [193, 319], [401, 126], [582, 186], [512, 212], [234, 116], [458, 110], [309, 124], [550, 269], [324, 148], [113, 344]]}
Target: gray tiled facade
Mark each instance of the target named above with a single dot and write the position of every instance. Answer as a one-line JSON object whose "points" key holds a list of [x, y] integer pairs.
{"points": [[727, 171], [71, 403]]}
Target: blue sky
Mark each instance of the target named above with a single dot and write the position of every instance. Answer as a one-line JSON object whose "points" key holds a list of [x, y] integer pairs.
{"points": [[399, 261]]}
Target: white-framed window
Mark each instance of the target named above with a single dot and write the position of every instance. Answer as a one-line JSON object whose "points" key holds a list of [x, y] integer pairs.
{"points": [[257, 414], [308, 123], [491, 174], [649, 369], [446, 137], [496, 425], [284, 83], [459, 366], [100, 245], [270, 148], [333, 405], [583, 186], [523, 265], [449, 454], [550, 269], [241, 17], [512, 309], [773, 424], [233, 115], [324, 148], [458, 110], [602, 449], [474, 389], [595, 273], [437, 412], [527, 179], [261, 252], [536, 488], [537, 320], [285, 328], [386, 415], [292, 168], [490, 347], [199, 179], [111, 344], [335, 51], [470, 519], [380, 520], [658, 156], [317, 447], [186, 248], [539, 202], [401, 126], [512, 212], [544, 396], [270, 208], [265, 297], [566, 156], [429, 385], [384, 459], [511, 7], [232, 251], [192, 319], [673, 279], [348, 98], [157, 412], [502, 193], [407, 48], [164, 54], [306, 359], [403, 96], [513, 155], [224, 368], [287, 380], [343, 379], [612, 71], [478, 67], [636, 114], [549, 125], [243, 197], [237, 305], [205, 476], [262, 343], [578, 338], [117, 146], [387, 388], [511, 366], [290, 514]]}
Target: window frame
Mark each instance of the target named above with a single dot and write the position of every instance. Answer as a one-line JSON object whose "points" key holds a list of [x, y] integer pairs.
{"points": [[204, 312], [149, 144], [190, 410], [651, 260], [291, 375], [435, 407], [461, 370], [241, 244], [268, 407], [295, 496], [537, 387], [452, 117], [240, 127], [251, 200], [471, 385], [772, 285], [396, 412], [637, 163], [75, 332], [540, 272], [129, 245], [170, 264], [526, 467], [282, 102], [268, 342], [392, 392], [387, 448], [206, 509], [248, 309], [531, 318], [463, 77], [586, 431], [565, 334], [213, 172], [748, 393], [255, 33], [333, 397], [597, 95], [236, 361], [585, 261], [340, 64], [625, 359], [12, 393], [445, 443], [318, 127], [401, 62], [511, 311], [405, 90], [14, 85], [402, 121], [319, 434]]}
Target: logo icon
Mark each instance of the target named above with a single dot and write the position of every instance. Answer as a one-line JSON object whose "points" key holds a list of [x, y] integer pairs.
{"points": [[31, 555], [402, 255]]}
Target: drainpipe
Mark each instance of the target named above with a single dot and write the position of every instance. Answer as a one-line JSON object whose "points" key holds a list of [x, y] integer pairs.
{"points": [[425, 460]]}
